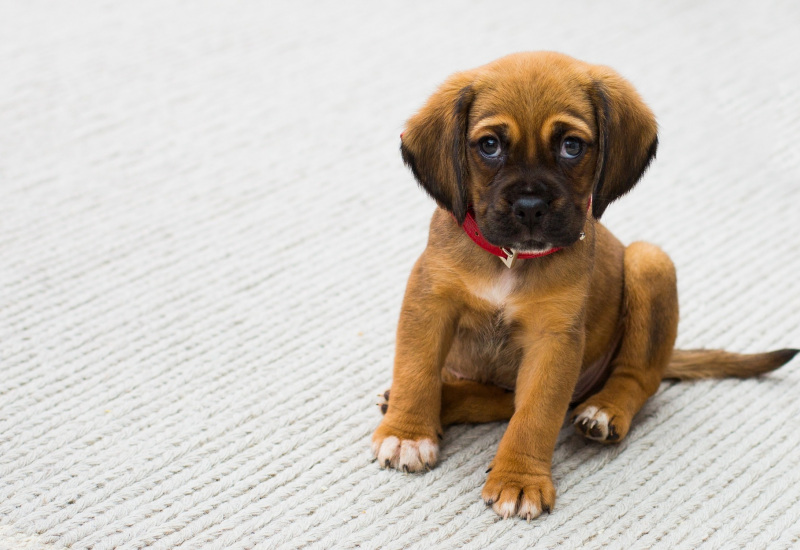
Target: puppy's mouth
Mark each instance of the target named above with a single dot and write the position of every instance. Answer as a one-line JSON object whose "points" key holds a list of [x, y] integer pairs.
{"points": [[527, 245], [555, 231], [531, 246]]}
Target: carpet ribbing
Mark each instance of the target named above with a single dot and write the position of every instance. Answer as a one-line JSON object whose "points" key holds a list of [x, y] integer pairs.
{"points": [[206, 230]]}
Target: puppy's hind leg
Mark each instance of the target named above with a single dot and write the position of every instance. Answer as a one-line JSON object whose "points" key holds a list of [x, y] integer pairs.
{"points": [[650, 326], [468, 402]]}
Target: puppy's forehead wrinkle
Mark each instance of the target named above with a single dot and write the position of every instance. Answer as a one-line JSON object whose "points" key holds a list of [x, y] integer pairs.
{"points": [[564, 123], [528, 101], [499, 124]]}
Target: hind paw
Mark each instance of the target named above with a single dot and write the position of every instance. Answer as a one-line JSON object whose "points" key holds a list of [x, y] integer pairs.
{"points": [[600, 423]]}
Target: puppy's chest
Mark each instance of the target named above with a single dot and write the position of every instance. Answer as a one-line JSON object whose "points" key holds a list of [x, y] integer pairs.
{"points": [[486, 348], [496, 292]]}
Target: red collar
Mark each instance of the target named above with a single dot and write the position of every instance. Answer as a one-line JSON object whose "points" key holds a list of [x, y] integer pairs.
{"points": [[506, 255]]}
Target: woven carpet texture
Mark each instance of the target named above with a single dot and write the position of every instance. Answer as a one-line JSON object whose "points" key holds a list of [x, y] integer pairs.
{"points": [[205, 233]]}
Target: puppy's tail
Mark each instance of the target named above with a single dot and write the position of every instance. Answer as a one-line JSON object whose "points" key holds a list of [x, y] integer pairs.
{"points": [[695, 364]]}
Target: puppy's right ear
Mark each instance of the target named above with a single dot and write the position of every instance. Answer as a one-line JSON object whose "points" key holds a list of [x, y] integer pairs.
{"points": [[434, 144]]}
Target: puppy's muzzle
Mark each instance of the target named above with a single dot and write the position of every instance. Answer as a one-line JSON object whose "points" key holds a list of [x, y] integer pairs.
{"points": [[529, 211]]}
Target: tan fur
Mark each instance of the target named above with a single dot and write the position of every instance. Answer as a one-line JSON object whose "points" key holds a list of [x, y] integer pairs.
{"points": [[470, 327]]}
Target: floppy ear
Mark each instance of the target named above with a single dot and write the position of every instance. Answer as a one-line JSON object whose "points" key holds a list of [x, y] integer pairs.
{"points": [[434, 144], [628, 137]]}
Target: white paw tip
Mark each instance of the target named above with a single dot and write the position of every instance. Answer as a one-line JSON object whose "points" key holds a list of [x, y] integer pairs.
{"points": [[505, 509], [428, 451], [596, 420], [406, 454], [409, 456], [387, 454], [528, 510], [589, 412]]}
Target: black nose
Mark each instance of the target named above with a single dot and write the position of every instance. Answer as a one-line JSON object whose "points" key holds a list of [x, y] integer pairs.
{"points": [[529, 210]]}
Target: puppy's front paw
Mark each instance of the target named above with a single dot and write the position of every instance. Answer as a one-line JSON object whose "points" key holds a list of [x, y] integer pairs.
{"points": [[513, 493], [600, 423], [410, 449], [405, 454]]}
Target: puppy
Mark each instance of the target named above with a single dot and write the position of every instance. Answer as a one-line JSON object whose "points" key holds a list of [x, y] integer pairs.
{"points": [[520, 287]]}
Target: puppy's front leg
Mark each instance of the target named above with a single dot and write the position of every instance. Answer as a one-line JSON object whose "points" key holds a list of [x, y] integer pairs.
{"points": [[407, 437], [519, 482]]}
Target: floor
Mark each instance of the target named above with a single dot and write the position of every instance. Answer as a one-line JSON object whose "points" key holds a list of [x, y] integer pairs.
{"points": [[206, 229]]}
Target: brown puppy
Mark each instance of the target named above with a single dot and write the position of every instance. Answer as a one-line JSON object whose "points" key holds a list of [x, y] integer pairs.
{"points": [[529, 150]]}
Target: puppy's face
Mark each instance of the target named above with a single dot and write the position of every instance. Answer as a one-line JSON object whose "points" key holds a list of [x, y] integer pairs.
{"points": [[525, 141], [531, 155]]}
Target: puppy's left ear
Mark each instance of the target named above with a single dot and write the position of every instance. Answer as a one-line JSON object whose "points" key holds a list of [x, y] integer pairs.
{"points": [[434, 144], [628, 137]]}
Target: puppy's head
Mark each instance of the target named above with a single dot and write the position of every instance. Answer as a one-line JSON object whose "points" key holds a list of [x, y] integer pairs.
{"points": [[525, 141]]}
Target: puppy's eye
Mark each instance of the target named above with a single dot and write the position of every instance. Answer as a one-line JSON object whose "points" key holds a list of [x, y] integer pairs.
{"points": [[490, 147], [571, 148]]}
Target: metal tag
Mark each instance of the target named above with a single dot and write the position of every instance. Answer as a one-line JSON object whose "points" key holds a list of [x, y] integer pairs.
{"points": [[511, 257]]}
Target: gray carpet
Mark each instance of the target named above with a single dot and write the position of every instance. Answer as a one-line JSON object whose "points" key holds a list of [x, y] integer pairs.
{"points": [[205, 233]]}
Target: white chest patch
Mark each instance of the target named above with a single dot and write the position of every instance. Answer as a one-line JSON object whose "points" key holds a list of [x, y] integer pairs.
{"points": [[497, 291]]}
